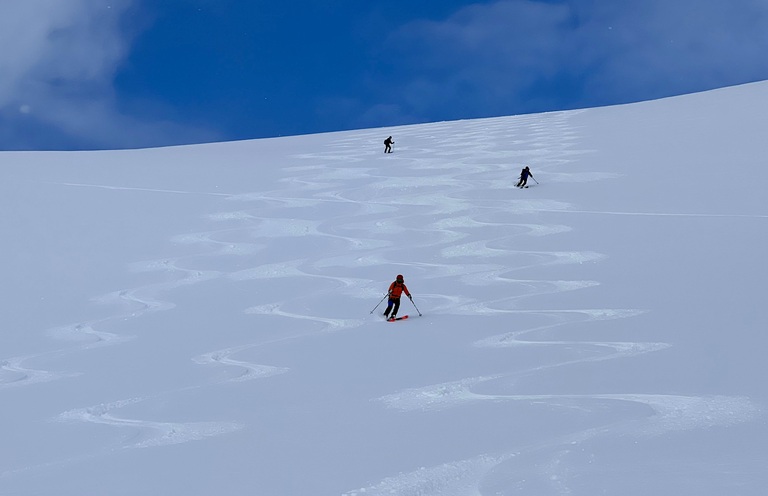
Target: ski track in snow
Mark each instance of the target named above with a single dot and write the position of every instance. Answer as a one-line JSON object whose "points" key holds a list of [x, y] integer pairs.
{"points": [[140, 301], [14, 374], [466, 477], [147, 433], [354, 229]]}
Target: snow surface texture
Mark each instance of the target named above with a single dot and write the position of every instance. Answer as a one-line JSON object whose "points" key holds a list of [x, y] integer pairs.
{"points": [[199, 320]]}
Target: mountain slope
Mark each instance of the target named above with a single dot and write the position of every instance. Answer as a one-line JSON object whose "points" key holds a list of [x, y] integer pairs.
{"points": [[200, 320]]}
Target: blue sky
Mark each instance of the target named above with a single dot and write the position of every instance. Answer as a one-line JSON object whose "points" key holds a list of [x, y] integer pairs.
{"points": [[94, 74]]}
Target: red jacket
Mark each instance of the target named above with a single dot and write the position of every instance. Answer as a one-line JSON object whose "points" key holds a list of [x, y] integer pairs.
{"points": [[397, 288]]}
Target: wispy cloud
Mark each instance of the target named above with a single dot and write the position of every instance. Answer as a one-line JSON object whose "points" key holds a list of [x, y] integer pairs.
{"points": [[57, 71], [514, 56]]}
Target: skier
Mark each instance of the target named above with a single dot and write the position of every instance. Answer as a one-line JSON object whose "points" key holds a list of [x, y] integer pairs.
{"points": [[526, 172], [388, 145], [396, 289]]}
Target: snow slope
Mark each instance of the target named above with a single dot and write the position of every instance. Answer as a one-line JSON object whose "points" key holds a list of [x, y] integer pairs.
{"points": [[198, 320]]}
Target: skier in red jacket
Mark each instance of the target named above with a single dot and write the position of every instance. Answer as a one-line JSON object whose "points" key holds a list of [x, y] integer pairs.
{"points": [[396, 289]]}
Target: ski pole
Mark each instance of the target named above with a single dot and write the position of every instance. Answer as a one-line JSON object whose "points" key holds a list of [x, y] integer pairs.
{"points": [[379, 303], [414, 306], [534, 180]]}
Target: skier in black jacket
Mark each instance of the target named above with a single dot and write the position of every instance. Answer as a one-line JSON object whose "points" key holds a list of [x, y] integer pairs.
{"points": [[388, 145], [524, 177]]}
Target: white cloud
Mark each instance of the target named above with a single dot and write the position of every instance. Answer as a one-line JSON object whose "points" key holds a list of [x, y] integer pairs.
{"points": [[57, 69], [51, 45], [521, 55]]}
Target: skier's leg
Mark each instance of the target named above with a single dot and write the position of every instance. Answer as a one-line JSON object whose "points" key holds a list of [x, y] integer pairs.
{"points": [[396, 308], [389, 307]]}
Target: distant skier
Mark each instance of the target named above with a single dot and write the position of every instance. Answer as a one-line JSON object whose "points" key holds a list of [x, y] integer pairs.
{"points": [[526, 172], [396, 289], [388, 145]]}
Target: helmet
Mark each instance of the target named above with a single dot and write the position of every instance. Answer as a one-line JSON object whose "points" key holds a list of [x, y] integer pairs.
{"points": [[399, 278]]}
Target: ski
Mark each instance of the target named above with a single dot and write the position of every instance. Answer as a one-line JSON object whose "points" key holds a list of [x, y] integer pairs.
{"points": [[397, 318]]}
